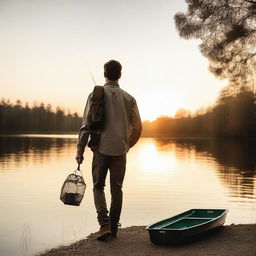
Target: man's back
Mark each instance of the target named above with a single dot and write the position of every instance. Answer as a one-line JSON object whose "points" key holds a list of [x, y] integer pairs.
{"points": [[121, 121]]}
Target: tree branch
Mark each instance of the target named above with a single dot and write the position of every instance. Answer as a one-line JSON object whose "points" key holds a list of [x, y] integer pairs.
{"points": [[246, 59], [250, 1]]}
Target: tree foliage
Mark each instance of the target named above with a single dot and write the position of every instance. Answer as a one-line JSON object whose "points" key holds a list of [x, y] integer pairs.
{"points": [[227, 30]]}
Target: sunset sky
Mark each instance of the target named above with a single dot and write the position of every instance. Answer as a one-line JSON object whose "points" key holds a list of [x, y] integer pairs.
{"points": [[48, 47]]}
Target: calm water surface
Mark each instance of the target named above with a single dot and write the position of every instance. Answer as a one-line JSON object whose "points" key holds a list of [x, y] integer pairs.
{"points": [[164, 177]]}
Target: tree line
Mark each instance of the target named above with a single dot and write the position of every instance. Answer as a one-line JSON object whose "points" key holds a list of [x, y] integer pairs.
{"points": [[16, 117], [234, 114]]}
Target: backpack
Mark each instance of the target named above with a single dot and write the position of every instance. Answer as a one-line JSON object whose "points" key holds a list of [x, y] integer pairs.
{"points": [[95, 117]]}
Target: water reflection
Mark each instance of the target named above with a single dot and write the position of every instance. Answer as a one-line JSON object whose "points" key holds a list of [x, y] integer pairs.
{"points": [[235, 160], [164, 177], [27, 149], [152, 161]]}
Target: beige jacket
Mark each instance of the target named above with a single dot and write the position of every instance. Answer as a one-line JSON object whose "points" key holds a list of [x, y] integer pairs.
{"points": [[122, 123]]}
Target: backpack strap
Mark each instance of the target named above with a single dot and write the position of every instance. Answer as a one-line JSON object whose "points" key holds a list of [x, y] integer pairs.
{"points": [[98, 93]]}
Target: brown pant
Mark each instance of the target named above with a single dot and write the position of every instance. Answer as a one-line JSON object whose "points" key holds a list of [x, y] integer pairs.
{"points": [[100, 165]]}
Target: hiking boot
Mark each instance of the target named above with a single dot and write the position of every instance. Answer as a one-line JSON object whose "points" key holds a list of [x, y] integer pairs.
{"points": [[114, 229], [103, 232]]}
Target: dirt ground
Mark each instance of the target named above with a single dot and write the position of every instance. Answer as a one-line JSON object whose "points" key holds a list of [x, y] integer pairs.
{"points": [[233, 240]]}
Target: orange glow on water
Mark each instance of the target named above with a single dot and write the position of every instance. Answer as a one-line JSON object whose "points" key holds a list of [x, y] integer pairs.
{"points": [[154, 161]]}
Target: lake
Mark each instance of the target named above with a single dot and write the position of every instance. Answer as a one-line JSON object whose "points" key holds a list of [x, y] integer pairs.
{"points": [[164, 177]]}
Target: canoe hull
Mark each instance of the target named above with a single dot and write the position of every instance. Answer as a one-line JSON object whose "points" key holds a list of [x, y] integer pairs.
{"points": [[168, 236]]}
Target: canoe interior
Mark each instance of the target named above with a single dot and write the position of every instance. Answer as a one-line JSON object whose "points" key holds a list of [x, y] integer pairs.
{"points": [[188, 219]]}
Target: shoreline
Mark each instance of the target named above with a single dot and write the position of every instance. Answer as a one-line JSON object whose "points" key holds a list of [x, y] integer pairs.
{"points": [[235, 240], [157, 137]]}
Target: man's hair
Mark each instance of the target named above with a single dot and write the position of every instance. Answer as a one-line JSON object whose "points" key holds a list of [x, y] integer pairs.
{"points": [[112, 70]]}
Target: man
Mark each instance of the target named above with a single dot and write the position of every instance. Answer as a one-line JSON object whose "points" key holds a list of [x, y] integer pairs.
{"points": [[121, 131]]}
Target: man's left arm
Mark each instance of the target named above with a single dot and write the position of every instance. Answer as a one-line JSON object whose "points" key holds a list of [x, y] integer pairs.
{"points": [[136, 124], [82, 142], [83, 134]]}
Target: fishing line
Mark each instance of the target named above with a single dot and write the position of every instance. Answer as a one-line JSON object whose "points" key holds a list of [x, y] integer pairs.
{"points": [[83, 58]]}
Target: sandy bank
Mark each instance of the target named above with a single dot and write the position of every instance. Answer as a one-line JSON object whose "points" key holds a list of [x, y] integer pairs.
{"points": [[233, 240]]}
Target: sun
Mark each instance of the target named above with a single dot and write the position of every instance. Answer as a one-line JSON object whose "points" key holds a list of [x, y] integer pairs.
{"points": [[149, 113], [152, 106]]}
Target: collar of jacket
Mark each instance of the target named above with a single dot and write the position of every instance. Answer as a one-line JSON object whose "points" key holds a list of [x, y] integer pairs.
{"points": [[112, 84]]}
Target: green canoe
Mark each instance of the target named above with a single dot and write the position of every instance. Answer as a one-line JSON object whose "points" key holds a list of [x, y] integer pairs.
{"points": [[186, 225]]}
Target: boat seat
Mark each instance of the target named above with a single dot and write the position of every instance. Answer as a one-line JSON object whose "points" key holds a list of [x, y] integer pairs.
{"points": [[196, 218]]}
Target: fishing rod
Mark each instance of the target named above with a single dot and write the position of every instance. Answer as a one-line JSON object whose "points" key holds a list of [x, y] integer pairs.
{"points": [[92, 77]]}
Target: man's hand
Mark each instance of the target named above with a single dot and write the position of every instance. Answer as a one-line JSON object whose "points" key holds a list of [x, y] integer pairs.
{"points": [[79, 159]]}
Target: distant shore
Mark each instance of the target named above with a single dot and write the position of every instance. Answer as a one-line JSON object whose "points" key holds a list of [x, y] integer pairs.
{"points": [[157, 136], [35, 132], [235, 240]]}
